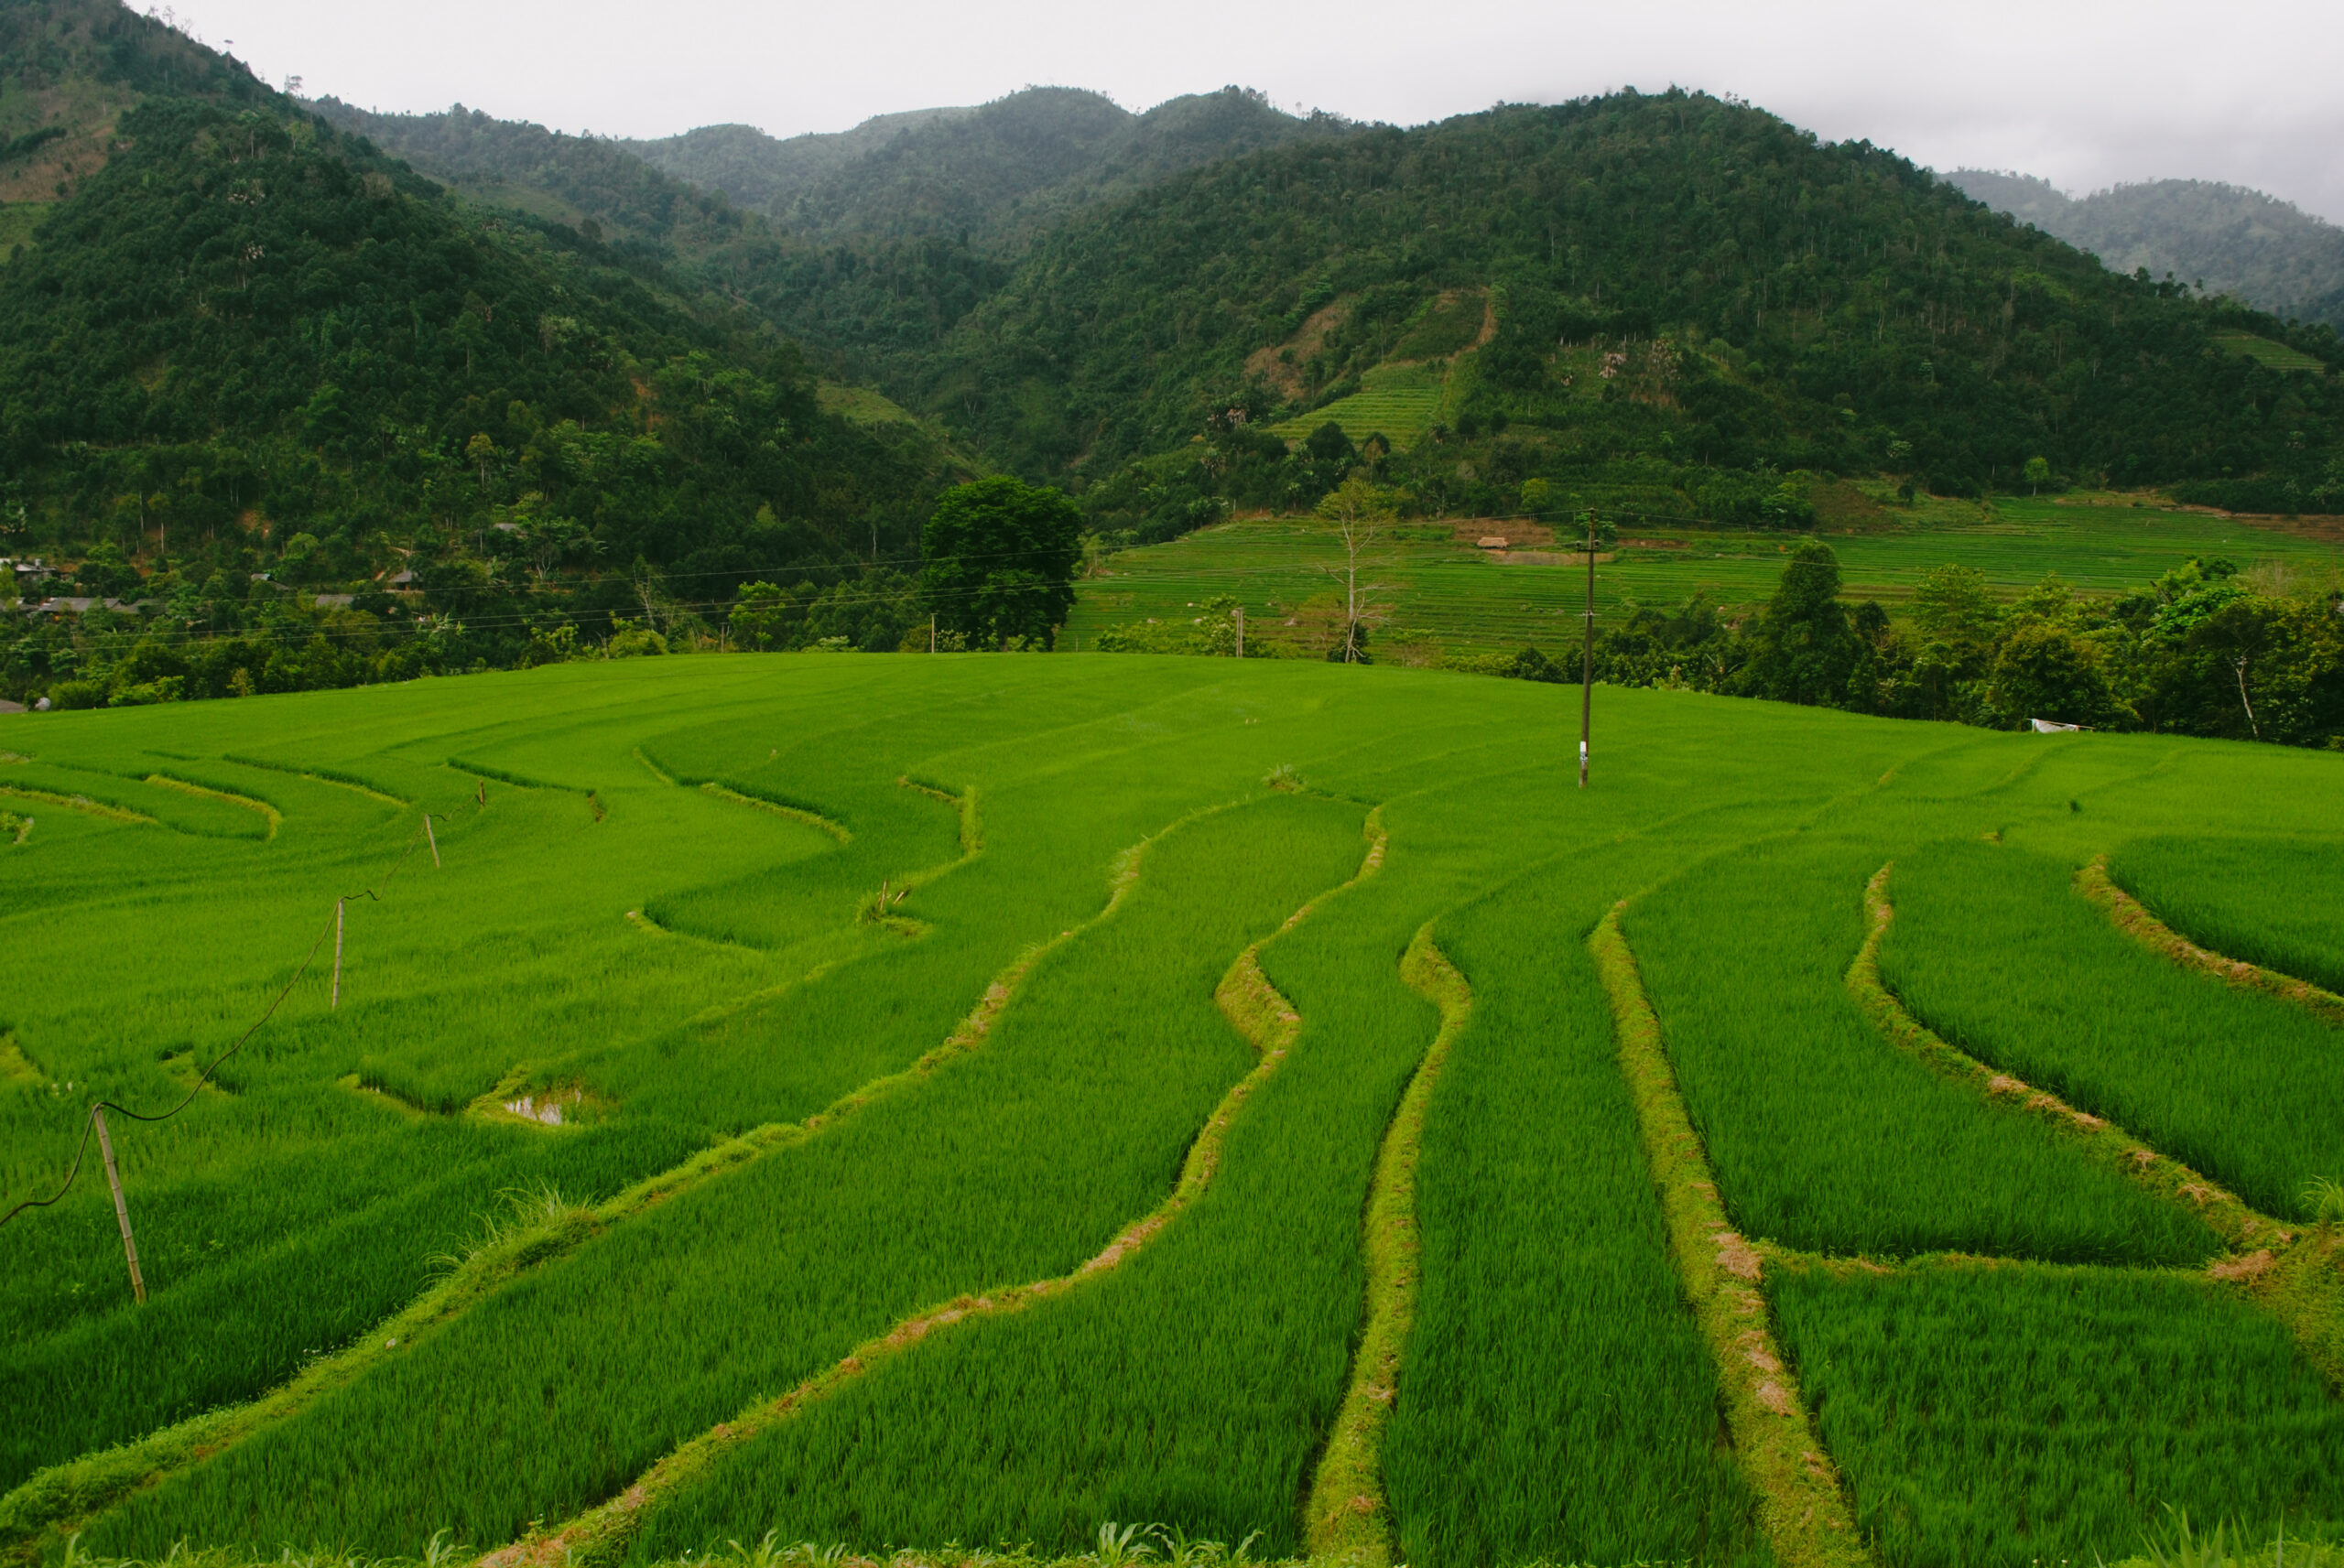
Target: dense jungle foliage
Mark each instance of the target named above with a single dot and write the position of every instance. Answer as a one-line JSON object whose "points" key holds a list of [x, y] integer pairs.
{"points": [[259, 356], [1820, 308]]}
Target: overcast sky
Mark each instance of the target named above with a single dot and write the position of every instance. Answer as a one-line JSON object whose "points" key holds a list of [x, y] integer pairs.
{"points": [[2086, 94]]}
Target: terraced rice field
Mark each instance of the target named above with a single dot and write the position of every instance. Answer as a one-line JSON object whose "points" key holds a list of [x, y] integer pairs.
{"points": [[1438, 592], [951, 1105], [1398, 402]]}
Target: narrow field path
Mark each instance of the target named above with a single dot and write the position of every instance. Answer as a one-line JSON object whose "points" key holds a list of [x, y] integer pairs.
{"points": [[1348, 1516], [2288, 1270], [1253, 1006], [2134, 919], [1803, 1510]]}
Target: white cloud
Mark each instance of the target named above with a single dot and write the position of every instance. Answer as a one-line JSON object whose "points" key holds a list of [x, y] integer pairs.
{"points": [[2085, 94]]}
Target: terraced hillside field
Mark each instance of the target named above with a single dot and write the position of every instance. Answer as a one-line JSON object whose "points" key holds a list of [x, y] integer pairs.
{"points": [[953, 1105]]}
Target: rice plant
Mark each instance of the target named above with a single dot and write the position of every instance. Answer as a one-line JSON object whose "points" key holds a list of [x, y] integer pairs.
{"points": [[2236, 1083], [689, 966], [2017, 1414], [1825, 1136], [2277, 902]]}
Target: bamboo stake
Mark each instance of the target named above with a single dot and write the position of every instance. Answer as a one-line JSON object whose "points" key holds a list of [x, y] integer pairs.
{"points": [[431, 839], [121, 1210], [334, 1004]]}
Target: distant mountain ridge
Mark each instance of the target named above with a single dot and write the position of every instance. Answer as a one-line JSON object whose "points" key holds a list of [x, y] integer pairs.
{"points": [[2268, 252], [990, 176]]}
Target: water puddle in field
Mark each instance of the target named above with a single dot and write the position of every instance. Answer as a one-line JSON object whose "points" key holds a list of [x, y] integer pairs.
{"points": [[548, 1108]]}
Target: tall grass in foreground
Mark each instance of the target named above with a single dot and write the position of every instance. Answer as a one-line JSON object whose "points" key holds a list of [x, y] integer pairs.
{"points": [[1557, 1401], [2021, 1414], [1010, 1164], [2236, 1083], [2278, 903], [1823, 1135]]}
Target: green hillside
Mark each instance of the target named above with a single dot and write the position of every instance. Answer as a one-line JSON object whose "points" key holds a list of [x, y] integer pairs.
{"points": [[892, 1103], [2222, 238], [763, 173], [587, 182], [1824, 308], [990, 178], [250, 361]]}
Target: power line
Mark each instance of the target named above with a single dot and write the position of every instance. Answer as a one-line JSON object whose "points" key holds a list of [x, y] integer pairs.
{"points": [[93, 1122]]}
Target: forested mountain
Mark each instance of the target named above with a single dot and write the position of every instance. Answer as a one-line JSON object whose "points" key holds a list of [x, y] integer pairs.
{"points": [[765, 173], [68, 71], [590, 183], [249, 353], [1683, 296], [2270, 253], [990, 176]]}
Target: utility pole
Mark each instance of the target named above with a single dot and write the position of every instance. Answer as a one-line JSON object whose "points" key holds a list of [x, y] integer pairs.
{"points": [[121, 1210], [1587, 658]]}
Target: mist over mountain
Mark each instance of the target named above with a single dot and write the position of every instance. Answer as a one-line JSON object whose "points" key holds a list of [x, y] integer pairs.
{"points": [[2268, 252]]}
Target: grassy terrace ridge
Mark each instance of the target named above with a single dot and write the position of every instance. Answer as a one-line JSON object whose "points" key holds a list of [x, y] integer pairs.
{"points": [[1102, 989]]}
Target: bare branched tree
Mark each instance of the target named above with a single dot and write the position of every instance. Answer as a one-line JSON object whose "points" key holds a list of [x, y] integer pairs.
{"points": [[1360, 512]]}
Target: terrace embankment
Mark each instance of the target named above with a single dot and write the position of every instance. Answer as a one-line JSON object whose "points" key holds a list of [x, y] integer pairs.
{"points": [[1348, 1516], [1803, 1514], [2135, 920], [1251, 1004], [2290, 1270], [56, 1502]]}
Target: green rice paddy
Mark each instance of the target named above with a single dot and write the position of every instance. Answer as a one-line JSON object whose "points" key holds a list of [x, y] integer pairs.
{"points": [[1440, 592], [1398, 402], [2268, 353], [934, 1104]]}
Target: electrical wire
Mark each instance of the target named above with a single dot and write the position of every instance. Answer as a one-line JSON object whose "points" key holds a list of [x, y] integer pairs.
{"points": [[89, 1122]]}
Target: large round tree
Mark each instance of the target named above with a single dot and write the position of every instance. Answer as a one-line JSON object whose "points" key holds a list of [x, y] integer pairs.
{"points": [[1000, 559]]}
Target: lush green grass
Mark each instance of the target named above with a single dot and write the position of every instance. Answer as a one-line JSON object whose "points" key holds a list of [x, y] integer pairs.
{"points": [[1444, 595], [1589, 1437], [1009, 1175], [1194, 1382], [1554, 1402], [1812, 1121], [2276, 903], [2021, 1415], [1994, 950]]}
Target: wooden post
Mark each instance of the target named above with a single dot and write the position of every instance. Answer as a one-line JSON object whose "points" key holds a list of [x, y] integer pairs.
{"points": [[1587, 658], [1240, 613], [334, 1004], [431, 839], [931, 634], [121, 1210]]}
